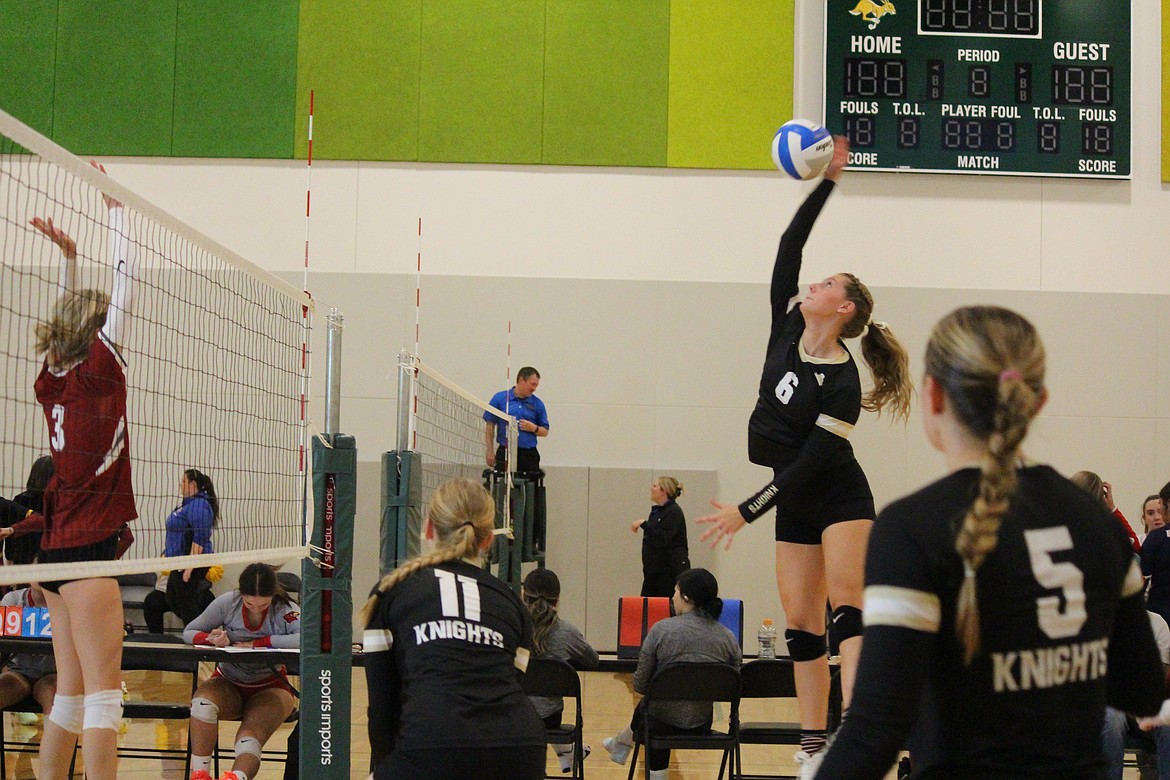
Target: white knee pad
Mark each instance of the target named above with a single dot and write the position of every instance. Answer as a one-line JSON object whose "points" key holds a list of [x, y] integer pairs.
{"points": [[68, 712], [248, 746], [103, 710], [204, 710]]}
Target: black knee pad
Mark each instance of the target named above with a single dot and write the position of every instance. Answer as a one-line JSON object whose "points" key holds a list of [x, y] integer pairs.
{"points": [[803, 646], [845, 623]]}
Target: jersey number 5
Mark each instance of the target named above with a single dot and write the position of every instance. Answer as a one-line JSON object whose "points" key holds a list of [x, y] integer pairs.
{"points": [[787, 387], [1063, 576], [449, 595], [57, 437]]}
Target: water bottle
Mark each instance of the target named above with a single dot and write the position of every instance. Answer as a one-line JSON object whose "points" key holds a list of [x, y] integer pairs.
{"points": [[767, 637]]}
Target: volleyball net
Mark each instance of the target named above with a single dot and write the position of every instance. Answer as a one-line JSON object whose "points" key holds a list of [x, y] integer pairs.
{"points": [[215, 358], [448, 429]]}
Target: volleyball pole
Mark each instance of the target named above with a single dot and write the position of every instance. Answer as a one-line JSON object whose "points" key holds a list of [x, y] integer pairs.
{"points": [[327, 606], [323, 729]]}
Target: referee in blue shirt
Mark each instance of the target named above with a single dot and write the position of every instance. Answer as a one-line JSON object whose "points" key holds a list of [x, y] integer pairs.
{"points": [[520, 402]]}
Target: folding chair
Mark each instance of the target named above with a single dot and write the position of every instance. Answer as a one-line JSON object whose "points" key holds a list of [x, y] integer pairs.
{"points": [[694, 682], [161, 710], [772, 678], [552, 677]]}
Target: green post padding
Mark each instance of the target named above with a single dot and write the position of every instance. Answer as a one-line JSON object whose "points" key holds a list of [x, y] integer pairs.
{"points": [[115, 74], [235, 78], [361, 61], [606, 82], [28, 42], [730, 81], [401, 527], [481, 82], [326, 676]]}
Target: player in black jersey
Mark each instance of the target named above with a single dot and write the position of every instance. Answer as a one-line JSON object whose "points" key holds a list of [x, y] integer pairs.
{"points": [[810, 399], [1003, 606], [443, 640]]}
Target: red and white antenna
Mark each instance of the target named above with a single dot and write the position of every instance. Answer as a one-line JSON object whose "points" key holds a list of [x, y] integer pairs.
{"points": [[305, 286]]}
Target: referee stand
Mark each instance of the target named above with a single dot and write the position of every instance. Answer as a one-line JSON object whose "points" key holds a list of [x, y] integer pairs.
{"points": [[323, 730], [527, 544]]}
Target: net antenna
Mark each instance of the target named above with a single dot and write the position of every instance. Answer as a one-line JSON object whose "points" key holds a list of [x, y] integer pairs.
{"points": [[448, 430], [214, 360]]}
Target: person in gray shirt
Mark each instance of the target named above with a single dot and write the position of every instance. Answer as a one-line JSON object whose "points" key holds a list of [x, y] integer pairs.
{"points": [[554, 637], [694, 635]]}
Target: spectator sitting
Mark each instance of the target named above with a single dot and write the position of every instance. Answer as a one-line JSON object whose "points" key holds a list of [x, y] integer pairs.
{"points": [[26, 674], [554, 637]]}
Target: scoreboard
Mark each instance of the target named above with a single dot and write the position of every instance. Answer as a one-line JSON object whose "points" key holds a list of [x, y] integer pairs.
{"points": [[1008, 87]]}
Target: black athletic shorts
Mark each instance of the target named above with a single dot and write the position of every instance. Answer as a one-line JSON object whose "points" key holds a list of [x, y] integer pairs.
{"points": [[835, 495], [105, 550]]}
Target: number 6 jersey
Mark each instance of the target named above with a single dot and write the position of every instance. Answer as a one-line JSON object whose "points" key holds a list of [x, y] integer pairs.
{"points": [[441, 654], [1064, 629]]}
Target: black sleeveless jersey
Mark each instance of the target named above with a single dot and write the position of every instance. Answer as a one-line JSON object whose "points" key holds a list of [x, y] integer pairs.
{"points": [[442, 653], [807, 406], [1064, 629]]}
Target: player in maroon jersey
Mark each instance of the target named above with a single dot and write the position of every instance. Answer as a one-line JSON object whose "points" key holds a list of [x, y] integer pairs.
{"points": [[88, 501]]}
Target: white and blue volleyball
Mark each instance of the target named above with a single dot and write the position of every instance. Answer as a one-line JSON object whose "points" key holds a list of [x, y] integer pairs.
{"points": [[802, 149]]}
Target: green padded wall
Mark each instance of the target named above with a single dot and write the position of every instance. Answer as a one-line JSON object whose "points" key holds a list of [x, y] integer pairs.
{"points": [[606, 82], [678, 83], [730, 81], [235, 78], [481, 84], [115, 77], [28, 34], [361, 60]]}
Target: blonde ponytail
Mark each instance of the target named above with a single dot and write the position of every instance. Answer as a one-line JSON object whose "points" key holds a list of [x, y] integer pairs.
{"points": [[990, 363], [463, 514], [888, 360]]}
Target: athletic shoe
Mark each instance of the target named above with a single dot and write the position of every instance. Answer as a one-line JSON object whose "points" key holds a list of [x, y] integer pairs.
{"points": [[808, 764], [201, 774], [619, 752], [566, 759]]}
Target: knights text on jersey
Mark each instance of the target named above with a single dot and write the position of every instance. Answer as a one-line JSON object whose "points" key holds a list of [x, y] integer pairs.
{"points": [[1057, 597], [447, 641], [90, 495]]}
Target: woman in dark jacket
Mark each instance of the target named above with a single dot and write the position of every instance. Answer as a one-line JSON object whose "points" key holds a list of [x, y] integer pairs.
{"points": [[664, 539]]}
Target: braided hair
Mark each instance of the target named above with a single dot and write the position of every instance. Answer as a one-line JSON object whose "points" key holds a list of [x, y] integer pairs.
{"points": [[990, 363], [463, 515]]}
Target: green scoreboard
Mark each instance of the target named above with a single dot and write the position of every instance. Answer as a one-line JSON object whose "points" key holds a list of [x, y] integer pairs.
{"points": [[1008, 87]]}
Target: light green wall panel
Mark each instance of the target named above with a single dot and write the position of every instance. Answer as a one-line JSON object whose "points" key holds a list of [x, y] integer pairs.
{"points": [[730, 81], [481, 87], [235, 76], [115, 77], [28, 42], [606, 82], [361, 61]]}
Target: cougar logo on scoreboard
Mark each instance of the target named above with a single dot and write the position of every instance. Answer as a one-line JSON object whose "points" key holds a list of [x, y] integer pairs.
{"points": [[872, 11]]}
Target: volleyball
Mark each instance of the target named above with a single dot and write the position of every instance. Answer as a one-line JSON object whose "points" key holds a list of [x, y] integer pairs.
{"points": [[802, 149]]}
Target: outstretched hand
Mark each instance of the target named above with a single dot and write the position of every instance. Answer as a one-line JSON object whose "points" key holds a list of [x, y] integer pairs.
{"points": [[58, 236], [111, 202], [724, 524], [840, 158]]}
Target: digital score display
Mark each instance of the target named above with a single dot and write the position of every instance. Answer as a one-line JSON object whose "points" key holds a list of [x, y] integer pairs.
{"points": [[1007, 87]]}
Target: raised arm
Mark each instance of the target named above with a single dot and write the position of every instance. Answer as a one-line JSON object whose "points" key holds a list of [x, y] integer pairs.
{"points": [[125, 261], [786, 271], [67, 273]]}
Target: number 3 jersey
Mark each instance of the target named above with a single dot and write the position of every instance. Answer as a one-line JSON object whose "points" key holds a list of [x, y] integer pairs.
{"points": [[89, 497], [1063, 624], [441, 653]]}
